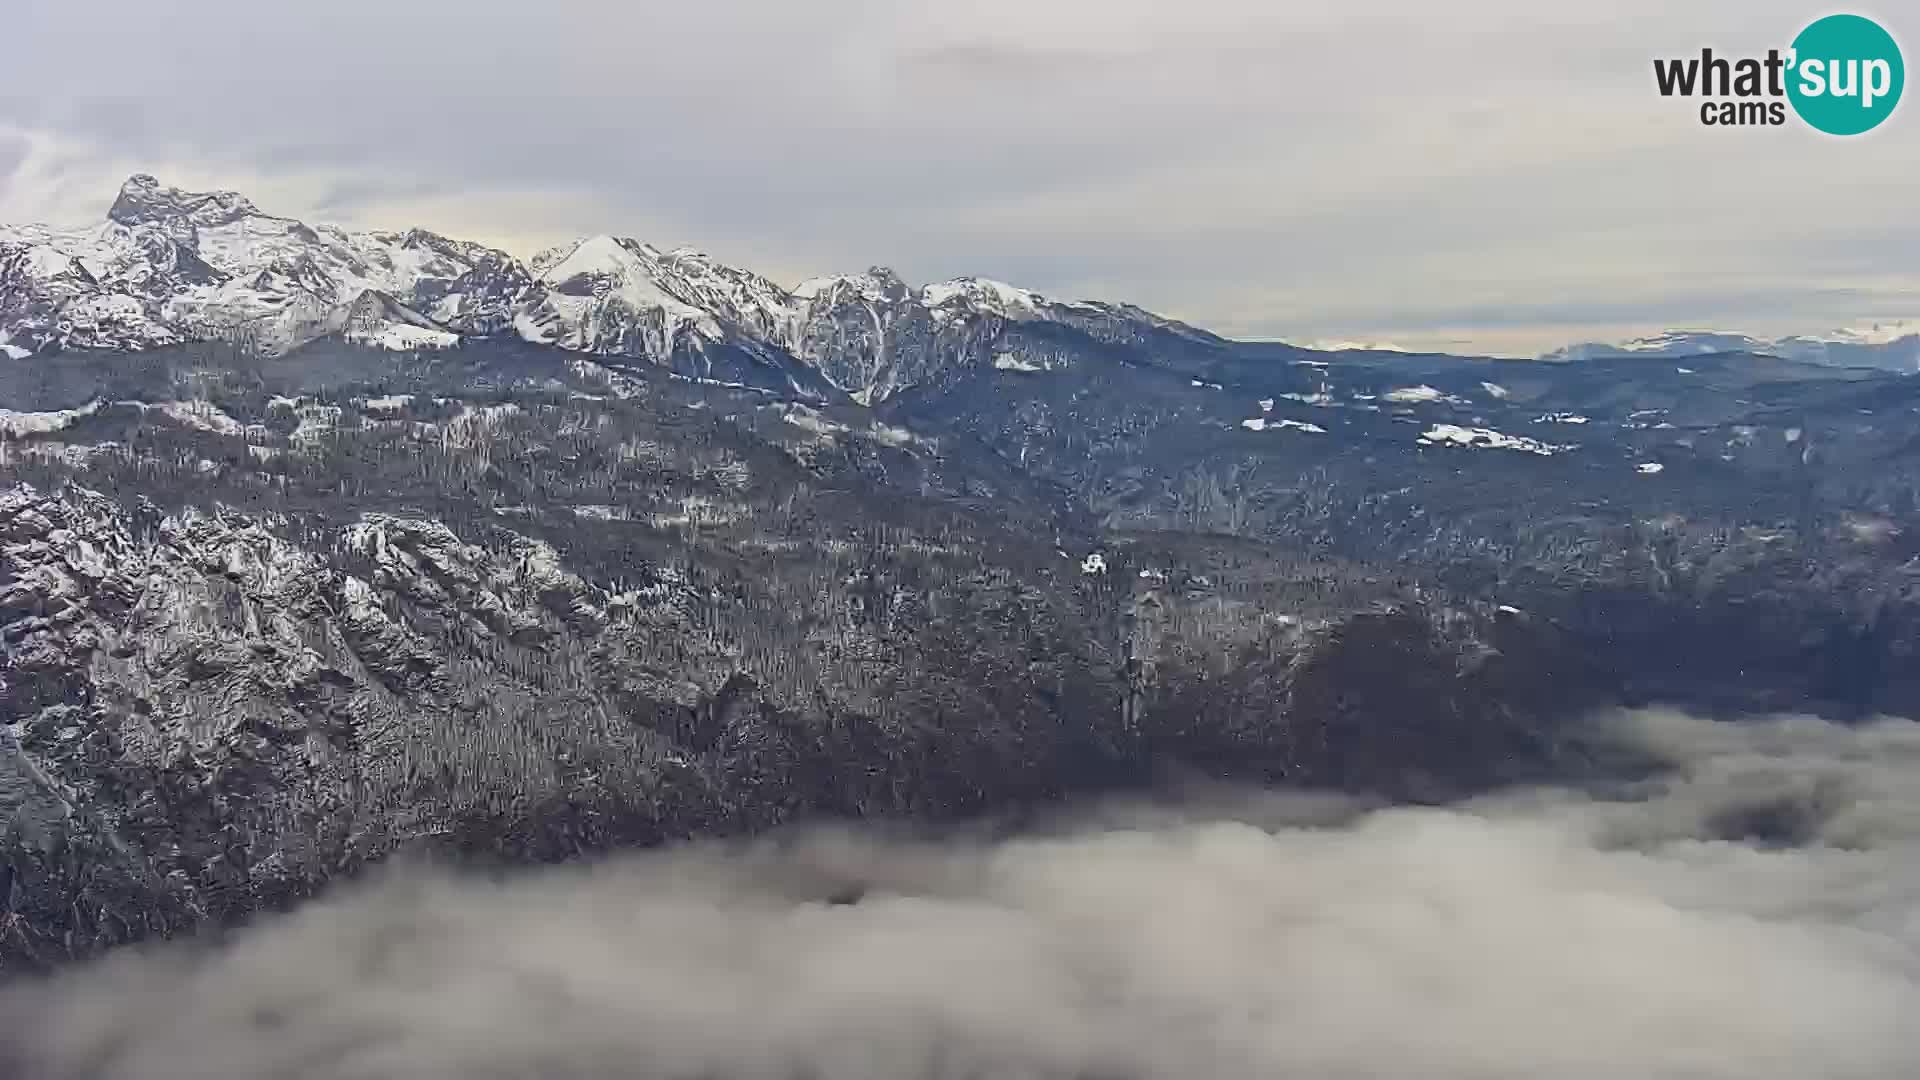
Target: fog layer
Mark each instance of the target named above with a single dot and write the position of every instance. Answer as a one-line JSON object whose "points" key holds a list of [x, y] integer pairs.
{"points": [[1753, 913]]}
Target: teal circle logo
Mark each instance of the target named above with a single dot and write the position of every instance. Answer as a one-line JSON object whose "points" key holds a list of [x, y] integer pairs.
{"points": [[1845, 75]]}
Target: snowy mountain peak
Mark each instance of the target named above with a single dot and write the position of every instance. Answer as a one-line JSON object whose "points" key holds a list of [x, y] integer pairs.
{"points": [[878, 284], [590, 257], [143, 200], [982, 295], [603, 295]]}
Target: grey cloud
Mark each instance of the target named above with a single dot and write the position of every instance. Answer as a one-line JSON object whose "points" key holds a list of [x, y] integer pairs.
{"points": [[1751, 911], [984, 60], [13, 152]]}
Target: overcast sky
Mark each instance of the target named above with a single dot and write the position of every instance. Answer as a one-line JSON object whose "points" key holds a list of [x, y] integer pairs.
{"points": [[1495, 175]]}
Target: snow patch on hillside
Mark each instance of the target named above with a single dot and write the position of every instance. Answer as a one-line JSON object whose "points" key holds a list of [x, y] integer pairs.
{"points": [[1487, 438], [1261, 423], [16, 424], [200, 415], [400, 337], [1419, 395]]}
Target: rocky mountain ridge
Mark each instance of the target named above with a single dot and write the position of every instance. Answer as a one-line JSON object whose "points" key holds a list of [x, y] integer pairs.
{"points": [[171, 267]]}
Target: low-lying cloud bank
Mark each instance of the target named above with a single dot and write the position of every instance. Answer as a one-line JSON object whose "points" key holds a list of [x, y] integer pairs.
{"points": [[1753, 913]]}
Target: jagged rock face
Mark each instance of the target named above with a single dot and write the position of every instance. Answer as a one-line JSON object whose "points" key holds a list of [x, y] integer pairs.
{"points": [[171, 266], [601, 296], [255, 643], [208, 712], [875, 337], [51, 295], [754, 307], [379, 320], [479, 299], [869, 333], [225, 712]]}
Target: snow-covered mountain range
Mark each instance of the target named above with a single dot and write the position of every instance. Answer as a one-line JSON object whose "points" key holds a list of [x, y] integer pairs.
{"points": [[1893, 346], [171, 266]]}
